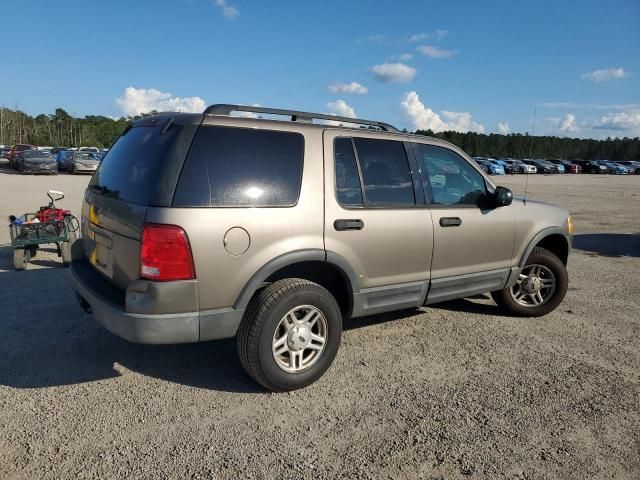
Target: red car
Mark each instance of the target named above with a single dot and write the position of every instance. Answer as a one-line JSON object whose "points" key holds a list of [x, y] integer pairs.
{"points": [[20, 147], [575, 168]]}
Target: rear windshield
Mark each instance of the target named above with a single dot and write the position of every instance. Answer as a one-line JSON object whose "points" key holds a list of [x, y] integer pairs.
{"points": [[36, 154], [131, 170]]}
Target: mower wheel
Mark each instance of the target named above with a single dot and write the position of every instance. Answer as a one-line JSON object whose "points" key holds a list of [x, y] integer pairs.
{"points": [[21, 257]]}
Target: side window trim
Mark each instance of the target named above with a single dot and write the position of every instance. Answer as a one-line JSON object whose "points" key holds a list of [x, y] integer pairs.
{"points": [[362, 189], [419, 191], [419, 194], [382, 206]]}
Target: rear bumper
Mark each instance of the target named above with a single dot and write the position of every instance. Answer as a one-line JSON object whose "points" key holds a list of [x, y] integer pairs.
{"points": [[107, 305]]}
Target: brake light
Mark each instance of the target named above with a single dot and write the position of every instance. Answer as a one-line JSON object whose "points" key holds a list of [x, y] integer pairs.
{"points": [[165, 253]]}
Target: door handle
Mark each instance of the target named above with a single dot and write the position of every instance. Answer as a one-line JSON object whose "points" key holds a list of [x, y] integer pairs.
{"points": [[348, 224], [450, 221]]}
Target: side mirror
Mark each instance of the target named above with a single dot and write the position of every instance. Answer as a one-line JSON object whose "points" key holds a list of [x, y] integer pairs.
{"points": [[503, 196]]}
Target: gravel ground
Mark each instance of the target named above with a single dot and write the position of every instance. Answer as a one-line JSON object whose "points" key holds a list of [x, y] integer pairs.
{"points": [[454, 391]]}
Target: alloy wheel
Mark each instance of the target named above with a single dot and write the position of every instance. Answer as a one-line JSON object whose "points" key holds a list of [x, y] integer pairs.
{"points": [[299, 339], [534, 287]]}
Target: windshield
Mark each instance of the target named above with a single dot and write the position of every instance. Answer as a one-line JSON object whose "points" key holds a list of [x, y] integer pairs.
{"points": [[84, 156], [31, 154]]}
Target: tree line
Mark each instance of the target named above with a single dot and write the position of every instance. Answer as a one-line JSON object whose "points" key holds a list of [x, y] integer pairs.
{"points": [[518, 145], [63, 130]]}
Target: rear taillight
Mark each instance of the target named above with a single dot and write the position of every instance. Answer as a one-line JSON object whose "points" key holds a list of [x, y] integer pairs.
{"points": [[165, 253]]}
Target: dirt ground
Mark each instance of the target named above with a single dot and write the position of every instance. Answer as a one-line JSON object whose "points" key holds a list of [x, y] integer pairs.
{"points": [[453, 391]]}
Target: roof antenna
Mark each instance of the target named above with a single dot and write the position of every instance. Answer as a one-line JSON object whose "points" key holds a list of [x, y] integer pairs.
{"points": [[533, 131]]}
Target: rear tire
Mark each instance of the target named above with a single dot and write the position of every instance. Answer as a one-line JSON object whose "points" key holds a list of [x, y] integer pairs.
{"points": [[551, 272], [21, 257], [276, 321]]}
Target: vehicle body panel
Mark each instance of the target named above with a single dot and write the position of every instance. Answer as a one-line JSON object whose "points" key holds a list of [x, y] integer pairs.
{"points": [[394, 246]]}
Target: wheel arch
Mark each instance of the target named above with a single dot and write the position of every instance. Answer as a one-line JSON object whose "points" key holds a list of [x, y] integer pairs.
{"points": [[327, 269], [553, 239]]}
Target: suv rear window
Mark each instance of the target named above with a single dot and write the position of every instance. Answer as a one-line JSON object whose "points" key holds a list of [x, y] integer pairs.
{"points": [[131, 170], [241, 167]]}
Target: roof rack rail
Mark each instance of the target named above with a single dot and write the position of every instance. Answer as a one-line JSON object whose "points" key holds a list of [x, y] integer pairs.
{"points": [[296, 116]]}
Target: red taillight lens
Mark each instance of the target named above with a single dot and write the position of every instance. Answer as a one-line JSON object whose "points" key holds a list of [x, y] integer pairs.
{"points": [[165, 253]]}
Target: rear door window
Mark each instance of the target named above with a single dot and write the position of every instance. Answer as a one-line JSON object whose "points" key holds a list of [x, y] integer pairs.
{"points": [[241, 167], [348, 188], [385, 172], [133, 167]]}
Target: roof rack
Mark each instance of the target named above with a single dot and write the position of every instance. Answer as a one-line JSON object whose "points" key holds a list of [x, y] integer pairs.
{"points": [[296, 116]]}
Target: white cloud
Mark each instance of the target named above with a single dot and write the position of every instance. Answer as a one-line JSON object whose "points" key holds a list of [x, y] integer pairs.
{"points": [[437, 35], [568, 124], [435, 52], [423, 118], [403, 57], [229, 11], [353, 87], [620, 121], [605, 74], [504, 128], [143, 100], [341, 108], [393, 72], [246, 114]]}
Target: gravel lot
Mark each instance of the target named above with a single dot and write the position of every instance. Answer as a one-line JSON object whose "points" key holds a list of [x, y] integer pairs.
{"points": [[454, 391]]}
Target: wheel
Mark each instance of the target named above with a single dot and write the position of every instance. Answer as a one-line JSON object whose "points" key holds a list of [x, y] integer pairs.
{"points": [[540, 288], [65, 249], [21, 258], [290, 334]]}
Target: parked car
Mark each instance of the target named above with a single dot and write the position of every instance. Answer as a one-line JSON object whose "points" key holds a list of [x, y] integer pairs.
{"points": [[57, 150], [542, 166], [314, 224], [613, 168], [79, 162], [20, 147], [35, 161], [4, 152], [95, 150], [632, 166], [562, 166], [520, 167], [508, 168], [591, 166], [62, 159], [571, 166], [493, 168]]}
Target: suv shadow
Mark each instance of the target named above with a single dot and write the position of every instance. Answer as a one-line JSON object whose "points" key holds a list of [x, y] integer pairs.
{"points": [[48, 341], [608, 244]]}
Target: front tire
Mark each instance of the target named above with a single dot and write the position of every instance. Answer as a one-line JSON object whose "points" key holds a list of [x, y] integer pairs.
{"points": [[540, 288], [290, 334]]}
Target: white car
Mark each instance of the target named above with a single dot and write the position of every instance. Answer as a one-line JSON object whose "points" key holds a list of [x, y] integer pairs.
{"points": [[89, 149]]}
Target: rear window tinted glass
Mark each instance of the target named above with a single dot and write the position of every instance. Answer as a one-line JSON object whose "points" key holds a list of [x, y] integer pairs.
{"points": [[348, 188], [385, 172], [241, 167], [131, 170]]}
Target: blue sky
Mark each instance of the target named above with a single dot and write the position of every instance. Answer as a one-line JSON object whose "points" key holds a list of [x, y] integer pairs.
{"points": [[481, 66]]}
